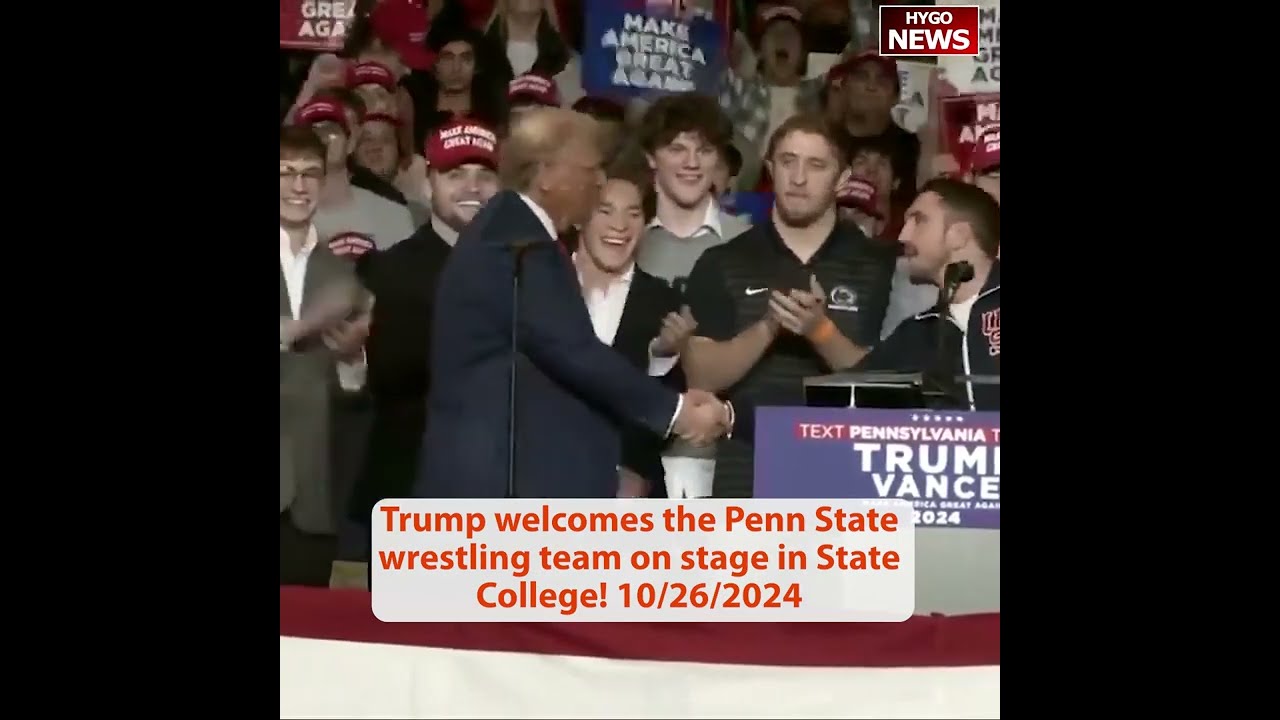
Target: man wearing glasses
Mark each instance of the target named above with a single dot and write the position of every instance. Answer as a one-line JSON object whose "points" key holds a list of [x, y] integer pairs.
{"points": [[324, 321]]}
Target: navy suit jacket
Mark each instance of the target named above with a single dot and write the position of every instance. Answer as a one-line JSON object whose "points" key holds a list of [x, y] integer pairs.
{"points": [[572, 390]]}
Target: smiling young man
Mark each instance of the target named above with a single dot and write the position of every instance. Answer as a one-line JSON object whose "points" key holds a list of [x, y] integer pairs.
{"points": [[462, 172], [322, 332], [636, 313], [684, 137]]}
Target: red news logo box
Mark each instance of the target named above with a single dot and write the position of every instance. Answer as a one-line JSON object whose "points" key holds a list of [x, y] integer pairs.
{"points": [[926, 30]]}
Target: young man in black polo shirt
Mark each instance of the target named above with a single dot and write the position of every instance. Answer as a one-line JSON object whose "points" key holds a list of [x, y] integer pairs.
{"points": [[799, 296]]}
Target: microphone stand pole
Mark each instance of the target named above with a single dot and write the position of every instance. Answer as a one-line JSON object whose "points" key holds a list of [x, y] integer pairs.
{"points": [[941, 378], [519, 251]]}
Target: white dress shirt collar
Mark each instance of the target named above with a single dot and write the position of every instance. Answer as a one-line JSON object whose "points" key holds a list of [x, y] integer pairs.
{"points": [[710, 220], [623, 279], [542, 215], [441, 228], [286, 247]]}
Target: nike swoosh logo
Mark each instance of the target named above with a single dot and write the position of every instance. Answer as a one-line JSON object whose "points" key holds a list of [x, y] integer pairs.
{"points": [[756, 291]]}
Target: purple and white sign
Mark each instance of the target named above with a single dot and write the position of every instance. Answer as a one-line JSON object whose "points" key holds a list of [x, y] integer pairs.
{"points": [[947, 464]]}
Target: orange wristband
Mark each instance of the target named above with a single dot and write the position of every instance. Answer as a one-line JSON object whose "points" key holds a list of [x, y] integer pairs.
{"points": [[825, 330]]}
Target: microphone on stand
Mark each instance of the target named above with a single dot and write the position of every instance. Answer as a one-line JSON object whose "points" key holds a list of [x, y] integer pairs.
{"points": [[955, 275], [518, 250], [941, 376]]}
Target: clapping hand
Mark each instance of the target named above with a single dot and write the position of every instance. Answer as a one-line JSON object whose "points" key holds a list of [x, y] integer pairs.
{"points": [[676, 330], [799, 311], [346, 338], [703, 418]]}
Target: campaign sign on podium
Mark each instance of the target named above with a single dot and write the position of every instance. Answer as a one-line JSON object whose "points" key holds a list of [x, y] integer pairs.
{"points": [[947, 464]]}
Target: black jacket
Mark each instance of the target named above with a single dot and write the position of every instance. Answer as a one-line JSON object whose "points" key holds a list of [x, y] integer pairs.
{"points": [[402, 278], [913, 346], [648, 302]]}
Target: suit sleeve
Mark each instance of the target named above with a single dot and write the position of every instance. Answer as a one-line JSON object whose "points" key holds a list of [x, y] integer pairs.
{"points": [[891, 354], [556, 335]]}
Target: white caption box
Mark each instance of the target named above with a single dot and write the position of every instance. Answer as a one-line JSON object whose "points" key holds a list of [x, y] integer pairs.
{"points": [[781, 561]]}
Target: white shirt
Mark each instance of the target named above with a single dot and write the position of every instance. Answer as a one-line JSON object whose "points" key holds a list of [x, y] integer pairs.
{"points": [[351, 375], [960, 312], [606, 305], [550, 226], [446, 233]]}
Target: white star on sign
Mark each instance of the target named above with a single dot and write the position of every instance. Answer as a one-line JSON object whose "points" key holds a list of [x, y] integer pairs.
{"points": [[915, 417]]}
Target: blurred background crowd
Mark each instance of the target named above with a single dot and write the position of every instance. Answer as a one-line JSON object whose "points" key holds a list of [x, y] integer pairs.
{"points": [[390, 145]]}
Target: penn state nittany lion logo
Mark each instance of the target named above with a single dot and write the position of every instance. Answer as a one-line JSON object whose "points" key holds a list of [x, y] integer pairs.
{"points": [[842, 297]]}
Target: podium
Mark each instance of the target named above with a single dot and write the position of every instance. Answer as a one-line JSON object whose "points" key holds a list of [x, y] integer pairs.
{"points": [[957, 505], [890, 390]]}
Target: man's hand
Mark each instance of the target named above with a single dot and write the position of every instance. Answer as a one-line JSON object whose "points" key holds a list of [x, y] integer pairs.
{"points": [[631, 484], [798, 311], [330, 306], [346, 339], [703, 418], [676, 330]]}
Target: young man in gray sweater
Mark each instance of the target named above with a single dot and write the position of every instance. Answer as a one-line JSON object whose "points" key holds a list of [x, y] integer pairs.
{"points": [[683, 138]]}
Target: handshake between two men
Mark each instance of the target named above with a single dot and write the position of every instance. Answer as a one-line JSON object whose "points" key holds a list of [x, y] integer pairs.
{"points": [[703, 418]]}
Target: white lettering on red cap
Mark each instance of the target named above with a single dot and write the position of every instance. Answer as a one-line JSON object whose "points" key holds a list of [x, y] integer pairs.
{"points": [[319, 106], [351, 245], [478, 131], [468, 141]]}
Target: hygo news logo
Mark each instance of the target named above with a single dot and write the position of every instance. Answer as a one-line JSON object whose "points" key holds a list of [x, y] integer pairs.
{"points": [[915, 30]]}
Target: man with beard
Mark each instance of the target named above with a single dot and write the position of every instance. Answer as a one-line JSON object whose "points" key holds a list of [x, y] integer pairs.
{"points": [[799, 296], [683, 138], [951, 221], [463, 160]]}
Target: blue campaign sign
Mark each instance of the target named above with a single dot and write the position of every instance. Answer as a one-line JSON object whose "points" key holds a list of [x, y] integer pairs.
{"points": [[634, 48], [756, 204], [947, 464]]}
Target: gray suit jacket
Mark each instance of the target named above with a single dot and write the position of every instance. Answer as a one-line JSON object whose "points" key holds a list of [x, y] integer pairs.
{"points": [[308, 384]]}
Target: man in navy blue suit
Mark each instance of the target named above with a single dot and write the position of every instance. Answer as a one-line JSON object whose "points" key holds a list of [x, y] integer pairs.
{"points": [[572, 391]]}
